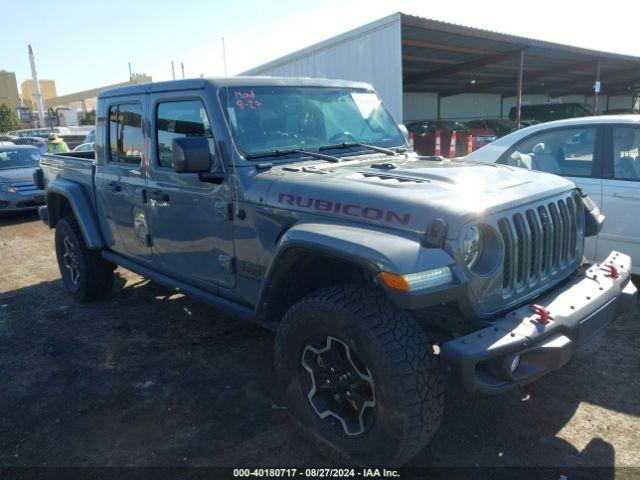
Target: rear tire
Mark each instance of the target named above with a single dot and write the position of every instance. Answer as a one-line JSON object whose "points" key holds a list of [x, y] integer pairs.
{"points": [[402, 405], [85, 274]]}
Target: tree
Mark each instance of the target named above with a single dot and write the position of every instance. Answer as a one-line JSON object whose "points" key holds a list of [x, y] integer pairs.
{"points": [[89, 118], [8, 119]]}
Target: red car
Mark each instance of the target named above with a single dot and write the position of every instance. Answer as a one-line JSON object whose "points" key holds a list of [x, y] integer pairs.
{"points": [[424, 134], [486, 130]]}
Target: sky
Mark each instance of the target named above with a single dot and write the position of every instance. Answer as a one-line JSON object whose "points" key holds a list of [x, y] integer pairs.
{"points": [[87, 44]]}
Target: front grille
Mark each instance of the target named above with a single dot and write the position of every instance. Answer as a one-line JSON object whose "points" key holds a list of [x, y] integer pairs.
{"points": [[25, 188], [540, 243]]}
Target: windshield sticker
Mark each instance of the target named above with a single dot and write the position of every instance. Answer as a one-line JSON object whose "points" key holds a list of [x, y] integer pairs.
{"points": [[367, 103], [247, 99]]}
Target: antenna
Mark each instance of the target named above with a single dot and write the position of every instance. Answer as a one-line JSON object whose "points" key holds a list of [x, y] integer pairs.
{"points": [[130, 72], [173, 70], [182, 67]]}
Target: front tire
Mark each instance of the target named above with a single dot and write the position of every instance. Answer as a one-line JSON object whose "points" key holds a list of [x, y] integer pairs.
{"points": [[85, 274], [359, 375]]}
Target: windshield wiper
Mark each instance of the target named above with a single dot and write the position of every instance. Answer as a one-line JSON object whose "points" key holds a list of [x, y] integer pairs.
{"points": [[288, 151], [375, 148]]}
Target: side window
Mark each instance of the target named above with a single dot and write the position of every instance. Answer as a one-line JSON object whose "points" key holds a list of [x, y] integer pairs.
{"points": [[125, 133], [566, 151], [626, 153], [180, 119]]}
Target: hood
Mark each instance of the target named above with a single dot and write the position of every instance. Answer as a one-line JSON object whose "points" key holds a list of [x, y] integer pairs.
{"points": [[21, 174], [412, 194]]}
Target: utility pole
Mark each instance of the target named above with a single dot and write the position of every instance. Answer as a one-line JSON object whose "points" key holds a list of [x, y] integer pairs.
{"points": [[36, 89], [173, 70], [130, 72], [182, 67]]}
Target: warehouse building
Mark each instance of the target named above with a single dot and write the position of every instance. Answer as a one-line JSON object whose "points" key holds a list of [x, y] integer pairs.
{"points": [[427, 69]]}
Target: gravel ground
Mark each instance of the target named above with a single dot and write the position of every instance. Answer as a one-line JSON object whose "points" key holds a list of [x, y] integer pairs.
{"points": [[150, 378]]}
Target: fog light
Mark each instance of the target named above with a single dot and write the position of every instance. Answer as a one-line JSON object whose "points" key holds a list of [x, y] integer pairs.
{"points": [[515, 363]]}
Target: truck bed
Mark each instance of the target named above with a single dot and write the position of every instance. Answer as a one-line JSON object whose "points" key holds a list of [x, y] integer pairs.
{"points": [[74, 166]]}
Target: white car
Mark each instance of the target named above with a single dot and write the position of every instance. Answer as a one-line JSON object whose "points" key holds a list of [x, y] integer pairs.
{"points": [[85, 147], [601, 155]]}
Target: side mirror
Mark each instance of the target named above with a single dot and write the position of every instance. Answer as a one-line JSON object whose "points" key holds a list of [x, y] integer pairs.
{"points": [[191, 155]]}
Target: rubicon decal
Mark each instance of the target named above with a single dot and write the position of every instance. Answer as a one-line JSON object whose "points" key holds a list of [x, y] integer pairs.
{"points": [[348, 209]]}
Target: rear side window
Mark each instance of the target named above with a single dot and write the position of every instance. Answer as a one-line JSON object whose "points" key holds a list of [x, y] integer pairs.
{"points": [[180, 119], [566, 151], [626, 153], [125, 133]]}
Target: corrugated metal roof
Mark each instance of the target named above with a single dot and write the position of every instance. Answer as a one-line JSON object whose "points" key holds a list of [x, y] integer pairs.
{"points": [[450, 59]]}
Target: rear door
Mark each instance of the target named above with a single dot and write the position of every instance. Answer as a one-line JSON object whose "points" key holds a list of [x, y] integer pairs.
{"points": [[621, 193], [190, 220], [572, 152], [120, 179]]}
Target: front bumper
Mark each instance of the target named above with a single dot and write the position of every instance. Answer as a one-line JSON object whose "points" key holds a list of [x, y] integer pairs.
{"points": [[480, 362], [17, 202]]}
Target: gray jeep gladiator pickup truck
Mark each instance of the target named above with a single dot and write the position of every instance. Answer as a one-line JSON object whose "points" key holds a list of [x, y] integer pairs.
{"points": [[297, 203]]}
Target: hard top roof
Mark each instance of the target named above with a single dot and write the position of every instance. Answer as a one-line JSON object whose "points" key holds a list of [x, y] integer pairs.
{"points": [[221, 82]]}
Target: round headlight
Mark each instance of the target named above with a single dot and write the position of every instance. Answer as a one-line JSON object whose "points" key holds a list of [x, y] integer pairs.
{"points": [[472, 246]]}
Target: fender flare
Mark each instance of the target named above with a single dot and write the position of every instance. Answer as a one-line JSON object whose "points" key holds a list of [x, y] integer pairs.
{"points": [[372, 249], [80, 206]]}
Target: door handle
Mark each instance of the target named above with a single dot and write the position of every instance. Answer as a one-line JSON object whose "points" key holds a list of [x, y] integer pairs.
{"points": [[158, 196], [113, 187]]}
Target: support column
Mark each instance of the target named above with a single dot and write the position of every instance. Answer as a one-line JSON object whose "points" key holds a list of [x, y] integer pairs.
{"points": [[596, 89], [519, 94], [438, 108]]}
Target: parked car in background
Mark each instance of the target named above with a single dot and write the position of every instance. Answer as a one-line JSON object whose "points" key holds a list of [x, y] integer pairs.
{"points": [[481, 133], [7, 138], [621, 111], [424, 136], [601, 155], [85, 147], [39, 132], [91, 136], [548, 112], [528, 123], [38, 142], [17, 190], [486, 130]]}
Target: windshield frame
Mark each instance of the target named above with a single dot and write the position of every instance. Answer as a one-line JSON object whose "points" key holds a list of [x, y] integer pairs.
{"points": [[224, 101]]}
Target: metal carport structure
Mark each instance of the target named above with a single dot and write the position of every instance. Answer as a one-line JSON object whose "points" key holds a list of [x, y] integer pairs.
{"points": [[431, 69], [450, 60]]}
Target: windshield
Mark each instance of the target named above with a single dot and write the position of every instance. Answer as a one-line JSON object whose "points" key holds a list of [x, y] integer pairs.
{"points": [[265, 119], [19, 158]]}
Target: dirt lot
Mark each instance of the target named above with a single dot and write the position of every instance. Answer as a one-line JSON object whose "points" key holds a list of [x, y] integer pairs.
{"points": [[147, 378]]}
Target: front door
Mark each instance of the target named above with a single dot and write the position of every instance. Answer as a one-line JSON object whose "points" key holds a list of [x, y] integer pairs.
{"points": [[190, 222], [621, 195], [120, 181]]}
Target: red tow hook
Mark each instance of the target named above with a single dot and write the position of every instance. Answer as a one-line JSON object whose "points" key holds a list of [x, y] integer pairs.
{"points": [[613, 271], [543, 314]]}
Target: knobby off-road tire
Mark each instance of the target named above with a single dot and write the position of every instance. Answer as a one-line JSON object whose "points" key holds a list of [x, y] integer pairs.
{"points": [[85, 274], [388, 347]]}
